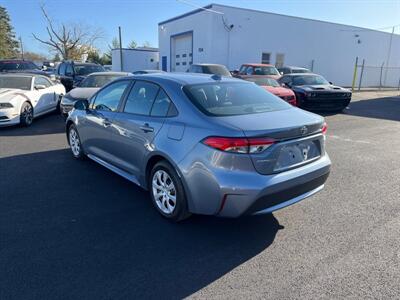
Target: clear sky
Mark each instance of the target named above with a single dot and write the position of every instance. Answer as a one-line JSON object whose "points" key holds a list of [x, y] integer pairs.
{"points": [[139, 18]]}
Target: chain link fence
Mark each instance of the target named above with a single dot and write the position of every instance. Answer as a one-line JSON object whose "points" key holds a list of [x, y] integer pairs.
{"points": [[375, 77]]}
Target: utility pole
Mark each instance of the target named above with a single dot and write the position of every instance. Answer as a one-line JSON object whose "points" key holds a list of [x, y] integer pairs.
{"points": [[22, 48], [120, 47], [388, 55]]}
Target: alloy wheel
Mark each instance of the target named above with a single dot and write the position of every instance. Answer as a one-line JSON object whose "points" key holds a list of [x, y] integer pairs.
{"points": [[74, 142], [164, 192]]}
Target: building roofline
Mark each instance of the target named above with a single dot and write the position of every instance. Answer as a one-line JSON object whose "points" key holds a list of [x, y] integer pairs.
{"points": [[192, 12], [209, 6], [133, 49]]}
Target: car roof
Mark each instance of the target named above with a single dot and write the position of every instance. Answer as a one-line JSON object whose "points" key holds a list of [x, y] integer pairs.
{"points": [[209, 65], [294, 67], [258, 65], [185, 78], [299, 74], [15, 61], [110, 73]]}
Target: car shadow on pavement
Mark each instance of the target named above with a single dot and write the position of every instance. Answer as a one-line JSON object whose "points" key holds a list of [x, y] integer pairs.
{"points": [[72, 229], [380, 108], [48, 124]]}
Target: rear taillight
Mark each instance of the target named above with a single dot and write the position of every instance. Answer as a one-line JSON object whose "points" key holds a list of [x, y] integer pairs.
{"points": [[324, 128], [239, 145]]}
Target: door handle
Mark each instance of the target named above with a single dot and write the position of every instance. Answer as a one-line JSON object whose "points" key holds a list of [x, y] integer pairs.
{"points": [[106, 123], [147, 128]]}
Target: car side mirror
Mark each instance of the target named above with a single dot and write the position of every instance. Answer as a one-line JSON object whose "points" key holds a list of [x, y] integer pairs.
{"points": [[81, 105], [44, 68], [235, 72], [281, 73], [330, 82], [53, 77], [40, 87]]}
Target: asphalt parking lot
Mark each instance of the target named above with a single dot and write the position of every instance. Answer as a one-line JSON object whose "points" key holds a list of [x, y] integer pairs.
{"points": [[74, 230]]}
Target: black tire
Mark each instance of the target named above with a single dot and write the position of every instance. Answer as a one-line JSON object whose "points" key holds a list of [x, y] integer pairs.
{"points": [[26, 115], [180, 211], [73, 139]]}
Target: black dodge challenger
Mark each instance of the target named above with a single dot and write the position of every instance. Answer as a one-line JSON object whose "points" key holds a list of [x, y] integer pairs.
{"points": [[314, 92]]}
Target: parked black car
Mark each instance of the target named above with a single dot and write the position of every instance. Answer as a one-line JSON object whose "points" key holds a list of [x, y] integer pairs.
{"points": [[290, 69], [209, 69], [70, 73], [20, 66], [314, 92]]}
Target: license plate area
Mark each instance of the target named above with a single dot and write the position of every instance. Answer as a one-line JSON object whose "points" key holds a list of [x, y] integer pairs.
{"points": [[295, 154]]}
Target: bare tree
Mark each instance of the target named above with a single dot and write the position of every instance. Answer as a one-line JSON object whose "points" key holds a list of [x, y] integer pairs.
{"points": [[70, 41]]}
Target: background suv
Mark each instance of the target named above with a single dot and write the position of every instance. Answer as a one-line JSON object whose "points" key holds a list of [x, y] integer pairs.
{"points": [[71, 73]]}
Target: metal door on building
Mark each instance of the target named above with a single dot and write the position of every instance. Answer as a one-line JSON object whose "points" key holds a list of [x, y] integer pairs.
{"points": [[181, 52]]}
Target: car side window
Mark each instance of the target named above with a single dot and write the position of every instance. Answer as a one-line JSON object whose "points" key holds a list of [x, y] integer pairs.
{"points": [[285, 80], [141, 98], [249, 71], [108, 98], [161, 105], [242, 70], [42, 81], [61, 69]]}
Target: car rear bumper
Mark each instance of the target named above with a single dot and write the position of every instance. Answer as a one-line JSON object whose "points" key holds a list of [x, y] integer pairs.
{"points": [[228, 191]]}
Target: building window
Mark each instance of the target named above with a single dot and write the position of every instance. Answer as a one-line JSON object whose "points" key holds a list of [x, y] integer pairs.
{"points": [[177, 56], [184, 63], [266, 58], [184, 55], [190, 54], [190, 62], [280, 60], [151, 59], [177, 64]]}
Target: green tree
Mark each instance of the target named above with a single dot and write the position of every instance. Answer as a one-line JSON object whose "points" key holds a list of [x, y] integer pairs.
{"points": [[146, 44], [8, 43], [132, 45]]}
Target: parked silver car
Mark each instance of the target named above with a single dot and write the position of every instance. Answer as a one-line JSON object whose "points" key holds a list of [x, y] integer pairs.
{"points": [[202, 144]]}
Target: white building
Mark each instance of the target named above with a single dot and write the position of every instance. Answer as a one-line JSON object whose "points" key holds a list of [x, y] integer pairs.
{"points": [[141, 58], [232, 36]]}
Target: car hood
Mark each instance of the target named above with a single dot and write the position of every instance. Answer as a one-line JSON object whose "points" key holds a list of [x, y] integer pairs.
{"points": [[7, 95], [278, 91], [81, 93], [326, 87], [281, 124]]}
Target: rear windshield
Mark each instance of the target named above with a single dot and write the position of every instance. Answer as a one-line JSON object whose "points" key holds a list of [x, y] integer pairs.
{"points": [[232, 98], [218, 70], [263, 81], [87, 69], [300, 71]]}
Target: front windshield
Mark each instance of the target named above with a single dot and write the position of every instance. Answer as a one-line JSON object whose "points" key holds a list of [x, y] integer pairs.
{"points": [[232, 98], [264, 81], [15, 82], [95, 81], [309, 80], [87, 69], [17, 66]]}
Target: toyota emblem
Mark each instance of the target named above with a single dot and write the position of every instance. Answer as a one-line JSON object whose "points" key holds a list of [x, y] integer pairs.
{"points": [[303, 130]]}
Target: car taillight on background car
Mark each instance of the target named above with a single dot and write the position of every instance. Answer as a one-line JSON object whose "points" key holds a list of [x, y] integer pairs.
{"points": [[324, 128], [239, 145]]}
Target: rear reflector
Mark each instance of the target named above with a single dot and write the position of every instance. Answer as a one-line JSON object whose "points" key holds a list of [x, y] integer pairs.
{"points": [[324, 128], [239, 145]]}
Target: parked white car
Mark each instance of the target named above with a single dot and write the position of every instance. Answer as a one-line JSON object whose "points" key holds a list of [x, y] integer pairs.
{"points": [[24, 97]]}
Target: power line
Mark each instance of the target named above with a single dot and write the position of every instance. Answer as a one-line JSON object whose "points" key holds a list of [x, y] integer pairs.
{"points": [[200, 7]]}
